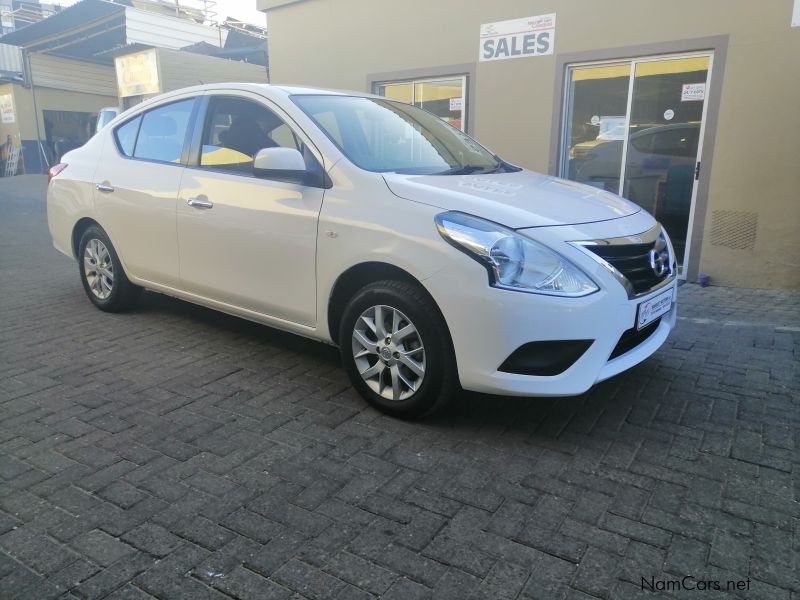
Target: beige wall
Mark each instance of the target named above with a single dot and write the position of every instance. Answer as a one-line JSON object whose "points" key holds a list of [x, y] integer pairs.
{"points": [[61, 84], [339, 44], [24, 127], [183, 69], [50, 99]]}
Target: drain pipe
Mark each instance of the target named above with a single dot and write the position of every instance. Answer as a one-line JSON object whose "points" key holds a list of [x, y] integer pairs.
{"points": [[26, 57]]}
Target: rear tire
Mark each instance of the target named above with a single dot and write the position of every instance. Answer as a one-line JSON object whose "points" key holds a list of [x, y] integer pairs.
{"points": [[396, 349], [102, 275]]}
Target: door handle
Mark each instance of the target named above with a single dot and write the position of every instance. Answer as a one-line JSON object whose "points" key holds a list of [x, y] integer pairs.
{"points": [[200, 202], [104, 187]]}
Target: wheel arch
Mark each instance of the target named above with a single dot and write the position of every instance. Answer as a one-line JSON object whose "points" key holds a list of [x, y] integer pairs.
{"points": [[356, 277], [77, 233]]}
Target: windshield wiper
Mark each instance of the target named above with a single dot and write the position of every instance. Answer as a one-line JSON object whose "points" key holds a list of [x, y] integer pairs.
{"points": [[468, 169]]}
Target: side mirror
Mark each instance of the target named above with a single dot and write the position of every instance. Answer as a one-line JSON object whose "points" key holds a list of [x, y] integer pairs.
{"points": [[279, 159], [284, 164]]}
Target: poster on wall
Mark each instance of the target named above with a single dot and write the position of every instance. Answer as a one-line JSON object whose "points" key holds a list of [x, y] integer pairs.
{"points": [[7, 109], [517, 38]]}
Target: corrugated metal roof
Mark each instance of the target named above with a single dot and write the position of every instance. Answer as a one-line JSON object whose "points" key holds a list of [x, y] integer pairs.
{"points": [[76, 17], [10, 59], [93, 29], [74, 75], [162, 31]]}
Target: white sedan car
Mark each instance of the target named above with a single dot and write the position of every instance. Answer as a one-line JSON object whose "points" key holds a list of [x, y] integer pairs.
{"points": [[369, 224]]}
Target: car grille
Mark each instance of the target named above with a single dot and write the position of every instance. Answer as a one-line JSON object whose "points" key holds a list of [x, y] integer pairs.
{"points": [[632, 338], [633, 261]]}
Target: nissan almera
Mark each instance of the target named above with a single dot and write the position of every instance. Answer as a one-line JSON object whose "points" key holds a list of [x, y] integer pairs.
{"points": [[373, 225]]}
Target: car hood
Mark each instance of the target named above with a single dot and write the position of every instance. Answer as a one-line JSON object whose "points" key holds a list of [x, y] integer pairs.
{"points": [[516, 200]]}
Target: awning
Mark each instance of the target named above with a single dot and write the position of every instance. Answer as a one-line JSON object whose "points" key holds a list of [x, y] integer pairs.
{"points": [[81, 31], [93, 30]]}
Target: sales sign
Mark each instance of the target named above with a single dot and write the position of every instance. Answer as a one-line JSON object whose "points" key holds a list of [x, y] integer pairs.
{"points": [[531, 36], [692, 92]]}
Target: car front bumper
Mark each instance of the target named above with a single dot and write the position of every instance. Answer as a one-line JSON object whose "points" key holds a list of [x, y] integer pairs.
{"points": [[488, 324]]}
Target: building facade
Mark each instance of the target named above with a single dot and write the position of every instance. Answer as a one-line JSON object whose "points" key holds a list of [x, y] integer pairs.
{"points": [[688, 108], [57, 73], [57, 112]]}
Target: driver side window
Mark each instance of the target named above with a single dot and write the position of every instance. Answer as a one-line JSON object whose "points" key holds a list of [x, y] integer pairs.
{"points": [[236, 129]]}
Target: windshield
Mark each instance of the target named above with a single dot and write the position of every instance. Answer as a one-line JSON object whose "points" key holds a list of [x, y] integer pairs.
{"points": [[383, 135]]}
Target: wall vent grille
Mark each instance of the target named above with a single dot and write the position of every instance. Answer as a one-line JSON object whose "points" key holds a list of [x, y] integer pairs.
{"points": [[734, 229]]}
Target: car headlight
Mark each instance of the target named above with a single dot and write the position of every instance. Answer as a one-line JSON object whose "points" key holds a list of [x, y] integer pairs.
{"points": [[514, 262]]}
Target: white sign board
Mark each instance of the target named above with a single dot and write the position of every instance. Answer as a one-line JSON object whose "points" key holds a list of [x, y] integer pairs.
{"points": [[517, 38], [692, 92], [456, 103], [137, 73], [7, 109], [796, 14]]}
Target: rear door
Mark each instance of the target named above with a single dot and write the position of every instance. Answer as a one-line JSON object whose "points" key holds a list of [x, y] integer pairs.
{"points": [[136, 187]]}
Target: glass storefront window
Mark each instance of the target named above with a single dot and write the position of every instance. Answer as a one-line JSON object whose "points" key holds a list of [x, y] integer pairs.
{"points": [[445, 97]]}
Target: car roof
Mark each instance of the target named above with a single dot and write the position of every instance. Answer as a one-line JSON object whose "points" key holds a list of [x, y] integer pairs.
{"points": [[270, 89], [265, 89]]}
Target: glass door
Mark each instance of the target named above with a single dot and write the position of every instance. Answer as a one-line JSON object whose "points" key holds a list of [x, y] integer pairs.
{"points": [[596, 125], [635, 129]]}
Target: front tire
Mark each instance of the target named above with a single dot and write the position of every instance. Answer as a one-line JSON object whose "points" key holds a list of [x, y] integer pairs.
{"points": [[102, 275], [396, 349]]}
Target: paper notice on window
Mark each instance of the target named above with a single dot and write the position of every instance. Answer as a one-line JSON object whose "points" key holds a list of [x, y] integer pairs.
{"points": [[456, 103], [7, 108], [692, 92]]}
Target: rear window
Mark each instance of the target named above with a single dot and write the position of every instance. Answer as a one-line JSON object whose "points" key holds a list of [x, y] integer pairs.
{"points": [[158, 134], [163, 132], [126, 135]]}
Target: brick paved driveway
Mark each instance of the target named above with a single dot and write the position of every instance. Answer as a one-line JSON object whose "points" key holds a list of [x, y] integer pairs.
{"points": [[177, 453]]}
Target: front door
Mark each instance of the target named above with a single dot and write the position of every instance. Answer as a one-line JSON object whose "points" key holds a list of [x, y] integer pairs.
{"points": [[635, 128], [245, 241]]}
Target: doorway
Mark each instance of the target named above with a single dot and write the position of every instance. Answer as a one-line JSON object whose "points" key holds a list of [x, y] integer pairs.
{"points": [[65, 130], [635, 128]]}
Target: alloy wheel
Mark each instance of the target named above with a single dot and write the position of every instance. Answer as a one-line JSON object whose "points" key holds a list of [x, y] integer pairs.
{"points": [[388, 352], [98, 269]]}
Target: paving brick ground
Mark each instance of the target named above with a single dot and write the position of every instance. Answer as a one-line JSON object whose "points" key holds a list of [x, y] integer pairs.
{"points": [[177, 453]]}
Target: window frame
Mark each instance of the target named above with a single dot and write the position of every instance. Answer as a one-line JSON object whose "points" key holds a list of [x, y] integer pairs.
{"points": [[115, 135], [205, 123], [203, 119], [465, 83], [190, 126]]}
